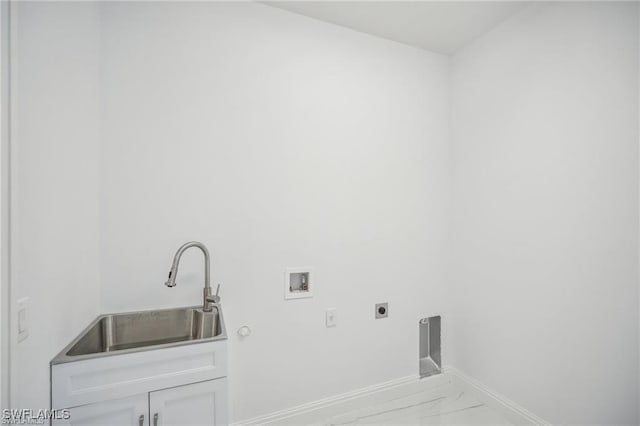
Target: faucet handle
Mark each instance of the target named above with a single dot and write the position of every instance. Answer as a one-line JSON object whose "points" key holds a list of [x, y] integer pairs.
{"points": [[216, 298]]}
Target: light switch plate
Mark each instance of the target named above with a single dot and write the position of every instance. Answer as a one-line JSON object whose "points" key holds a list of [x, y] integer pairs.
{"points": [[330, 317], [22, 319]]}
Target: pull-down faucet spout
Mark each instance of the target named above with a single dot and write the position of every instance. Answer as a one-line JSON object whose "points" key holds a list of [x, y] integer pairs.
{"points": [[207, 298]]}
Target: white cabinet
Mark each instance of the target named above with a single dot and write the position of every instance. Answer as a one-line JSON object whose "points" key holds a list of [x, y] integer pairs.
{"points": [[184, 385], [131, 411], [197, 404]]}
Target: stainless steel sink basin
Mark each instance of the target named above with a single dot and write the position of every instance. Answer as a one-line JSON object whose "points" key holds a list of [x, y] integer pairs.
{"points": [[144, 330]]}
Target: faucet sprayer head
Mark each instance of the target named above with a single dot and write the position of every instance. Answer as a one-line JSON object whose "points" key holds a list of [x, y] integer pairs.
{"points": [[171, 281]]}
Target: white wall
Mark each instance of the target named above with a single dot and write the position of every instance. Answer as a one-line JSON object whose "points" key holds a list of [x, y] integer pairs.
{"points": [[278, 141], [4, 205], [283, 141], [55, 180], [545, 190]]}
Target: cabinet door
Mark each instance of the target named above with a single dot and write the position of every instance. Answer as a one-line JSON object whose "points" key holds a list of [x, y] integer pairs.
{"points": [[197, 404], [131, 411]]}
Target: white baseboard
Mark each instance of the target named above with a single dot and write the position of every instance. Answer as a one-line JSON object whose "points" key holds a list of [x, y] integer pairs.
{"points": [[512, 411], [325, 402]]}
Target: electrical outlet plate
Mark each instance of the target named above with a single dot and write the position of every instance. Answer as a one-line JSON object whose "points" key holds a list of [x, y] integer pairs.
{"points": [[298, 283], [382, 310]]}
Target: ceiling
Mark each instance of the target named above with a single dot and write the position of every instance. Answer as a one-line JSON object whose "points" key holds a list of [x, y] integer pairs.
{"points": [[439, 26]]}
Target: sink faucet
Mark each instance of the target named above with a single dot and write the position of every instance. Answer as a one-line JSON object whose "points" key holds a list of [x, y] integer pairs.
{"points": [[207, 298]]}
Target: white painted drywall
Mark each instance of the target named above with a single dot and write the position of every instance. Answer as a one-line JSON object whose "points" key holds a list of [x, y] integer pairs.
{"points": [[282, 141], [4, 205], [545, 211], [279, 141], [437, 26], [638, 361], [55, 174]]}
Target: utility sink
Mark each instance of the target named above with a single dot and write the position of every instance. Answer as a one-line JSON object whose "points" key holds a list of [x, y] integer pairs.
{"points": [[113, 334]]}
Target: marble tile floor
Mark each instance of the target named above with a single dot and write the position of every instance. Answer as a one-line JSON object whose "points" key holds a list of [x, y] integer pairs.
{"points": [[428, 402]]}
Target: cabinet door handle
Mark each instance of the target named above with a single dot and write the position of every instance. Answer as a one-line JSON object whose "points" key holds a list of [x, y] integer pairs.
{"points": [[155, 419], [141, 420]]}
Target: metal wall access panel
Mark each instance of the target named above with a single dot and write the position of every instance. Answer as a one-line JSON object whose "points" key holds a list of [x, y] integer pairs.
{"points": [[430, 347]]}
